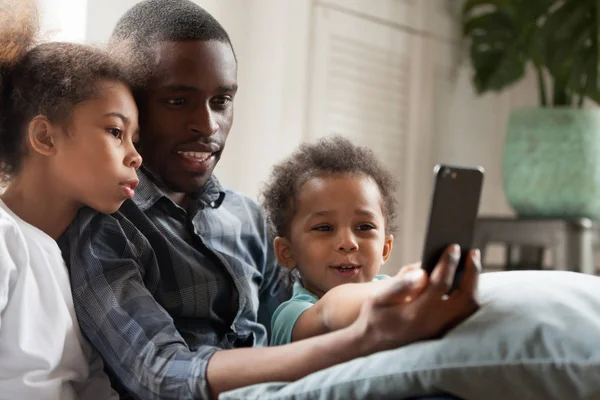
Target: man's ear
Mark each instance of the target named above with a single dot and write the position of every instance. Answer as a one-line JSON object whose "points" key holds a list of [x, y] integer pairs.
{"points": [[387, 248], [41, 134], [283, 251]]}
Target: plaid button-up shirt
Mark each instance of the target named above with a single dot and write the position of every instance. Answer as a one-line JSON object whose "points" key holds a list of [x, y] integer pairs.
{"points": [[158, 290]]}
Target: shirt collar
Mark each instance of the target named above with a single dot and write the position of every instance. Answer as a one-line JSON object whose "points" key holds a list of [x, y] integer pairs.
{"points": [[148, 192]]}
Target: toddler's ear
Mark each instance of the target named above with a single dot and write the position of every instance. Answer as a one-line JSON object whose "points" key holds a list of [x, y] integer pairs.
{"points": [[387, 248], [283, 251]]}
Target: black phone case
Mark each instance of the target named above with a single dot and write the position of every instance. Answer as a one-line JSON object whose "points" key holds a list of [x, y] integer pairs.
{"points": [[453, 213]]}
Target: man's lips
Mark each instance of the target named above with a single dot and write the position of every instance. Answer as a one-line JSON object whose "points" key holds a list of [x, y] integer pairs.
{"points": [[196, 156], [197, 162], [195, 147]]}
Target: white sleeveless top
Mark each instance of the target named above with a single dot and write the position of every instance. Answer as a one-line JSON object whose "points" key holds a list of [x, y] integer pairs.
{"points": [[42, 352]]}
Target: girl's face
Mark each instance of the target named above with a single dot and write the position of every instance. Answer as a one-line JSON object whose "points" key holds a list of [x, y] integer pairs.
{"points": [[95, 160], [337, 234]]}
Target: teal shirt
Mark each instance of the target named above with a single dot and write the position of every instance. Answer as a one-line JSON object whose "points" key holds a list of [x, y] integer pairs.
{"points": [[286, 315]]}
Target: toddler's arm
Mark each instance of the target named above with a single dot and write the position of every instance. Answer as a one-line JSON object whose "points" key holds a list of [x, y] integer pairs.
{"points": [[340, 306]]}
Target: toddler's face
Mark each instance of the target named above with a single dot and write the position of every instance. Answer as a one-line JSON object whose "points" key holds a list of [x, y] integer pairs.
{"points": [[337, 234]]}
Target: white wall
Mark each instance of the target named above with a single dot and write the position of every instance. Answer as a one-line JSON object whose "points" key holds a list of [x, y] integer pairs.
{"points": [[467, 128], [272, 45], [473, 131], [63, 20]]}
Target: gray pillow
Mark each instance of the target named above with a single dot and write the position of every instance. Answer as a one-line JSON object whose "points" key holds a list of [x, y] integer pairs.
{"points": [[536, 336]]}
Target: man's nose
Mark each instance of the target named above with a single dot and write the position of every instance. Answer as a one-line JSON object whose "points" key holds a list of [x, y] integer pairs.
{"points": [[204, 121]]}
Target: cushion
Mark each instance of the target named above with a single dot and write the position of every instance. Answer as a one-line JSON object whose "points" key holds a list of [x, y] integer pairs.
{"points": [[536, 336]]}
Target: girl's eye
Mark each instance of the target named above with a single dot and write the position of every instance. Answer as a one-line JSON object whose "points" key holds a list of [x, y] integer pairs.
{"points": [[116, 132], [323, 228]]}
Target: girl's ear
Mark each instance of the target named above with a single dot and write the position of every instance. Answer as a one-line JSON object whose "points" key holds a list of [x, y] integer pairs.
{"points": [[283, 251], [40, 134]]}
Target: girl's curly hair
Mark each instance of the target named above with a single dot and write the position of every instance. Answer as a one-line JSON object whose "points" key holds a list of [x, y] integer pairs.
{"points": [[46, 79]]}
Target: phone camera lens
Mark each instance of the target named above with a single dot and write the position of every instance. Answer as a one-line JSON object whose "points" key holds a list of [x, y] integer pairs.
{"points": [[446, 173]]}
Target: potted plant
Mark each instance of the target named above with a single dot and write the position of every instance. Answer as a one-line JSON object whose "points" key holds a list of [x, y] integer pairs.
{"points": [[551, 158]]}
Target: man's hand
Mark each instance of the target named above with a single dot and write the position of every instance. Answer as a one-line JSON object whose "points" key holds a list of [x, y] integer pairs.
{"points": [[416, 307], [411, 308]]}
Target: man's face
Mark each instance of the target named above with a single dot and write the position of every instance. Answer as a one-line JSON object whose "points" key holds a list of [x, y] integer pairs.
{"points": [[187, 112]]}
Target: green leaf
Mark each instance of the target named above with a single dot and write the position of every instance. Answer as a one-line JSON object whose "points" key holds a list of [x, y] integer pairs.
{"points": [[496, 52], [470, 5], [491, 22], [558, 36], [573, 56]]}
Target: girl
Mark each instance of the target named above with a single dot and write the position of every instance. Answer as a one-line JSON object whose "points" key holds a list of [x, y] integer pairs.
{"points": [[67, 125], [332, 207]]}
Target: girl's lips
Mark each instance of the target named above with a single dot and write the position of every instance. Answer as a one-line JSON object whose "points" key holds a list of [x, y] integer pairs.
{"points": [[133, 183], [127, 191], [128, 188]]}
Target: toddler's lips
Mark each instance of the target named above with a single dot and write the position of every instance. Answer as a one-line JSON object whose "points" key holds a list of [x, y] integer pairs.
{"points": [[346, 271]]}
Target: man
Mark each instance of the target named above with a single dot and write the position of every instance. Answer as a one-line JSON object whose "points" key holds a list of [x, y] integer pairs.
{"points": [[176, 289]]}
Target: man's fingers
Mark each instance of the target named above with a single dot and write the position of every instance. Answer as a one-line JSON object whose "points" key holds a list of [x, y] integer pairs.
{"points": [[408, 268], [443, 273], [402, 288], [431, 310], [470, 278], [462, 303]]}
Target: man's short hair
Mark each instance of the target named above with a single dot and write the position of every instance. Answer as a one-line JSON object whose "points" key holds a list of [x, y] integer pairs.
{"points": [[168, 20], [150, 22]]}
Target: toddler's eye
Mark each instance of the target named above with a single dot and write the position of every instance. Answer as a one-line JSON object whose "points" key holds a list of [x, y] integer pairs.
{"points": [[365, 227]]}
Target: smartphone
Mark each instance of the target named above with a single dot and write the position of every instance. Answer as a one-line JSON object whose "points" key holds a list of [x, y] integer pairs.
{"points": [[453, 213]]}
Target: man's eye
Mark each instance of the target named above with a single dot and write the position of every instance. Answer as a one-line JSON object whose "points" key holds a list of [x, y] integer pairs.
{"points": [[116, 132], [222, 100], [175, 102], [322, 228]]}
